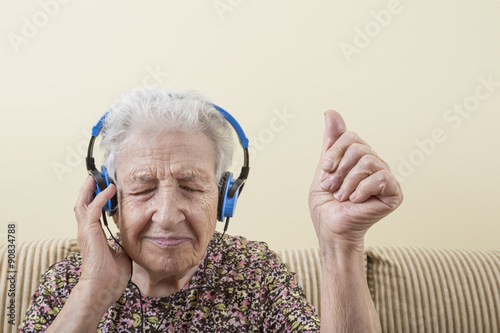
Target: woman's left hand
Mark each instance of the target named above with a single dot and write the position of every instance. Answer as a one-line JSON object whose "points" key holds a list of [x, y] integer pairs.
{"points": [[352, 189]]}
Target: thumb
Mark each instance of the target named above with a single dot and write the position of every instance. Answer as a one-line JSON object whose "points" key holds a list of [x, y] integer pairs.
{"points": [[334, 128]]}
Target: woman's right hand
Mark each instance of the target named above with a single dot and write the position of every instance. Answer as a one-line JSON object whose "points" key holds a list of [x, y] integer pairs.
{"points": [[105, 271]]}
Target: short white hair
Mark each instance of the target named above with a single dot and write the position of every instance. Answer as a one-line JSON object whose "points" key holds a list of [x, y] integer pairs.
{"points": [[156, 110]]}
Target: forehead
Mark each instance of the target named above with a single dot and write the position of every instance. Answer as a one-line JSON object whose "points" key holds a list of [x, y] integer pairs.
{"points": [[182, 154]]}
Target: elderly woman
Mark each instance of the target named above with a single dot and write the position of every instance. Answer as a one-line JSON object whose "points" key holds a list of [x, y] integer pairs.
{"points": [[167, 154]]}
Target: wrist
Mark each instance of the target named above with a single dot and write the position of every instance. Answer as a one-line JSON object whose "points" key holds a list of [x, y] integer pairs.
{"points": [[341, 247], [344, 288]]}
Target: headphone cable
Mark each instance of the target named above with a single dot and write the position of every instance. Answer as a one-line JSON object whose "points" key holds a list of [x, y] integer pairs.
{"points": [[131, 269]]}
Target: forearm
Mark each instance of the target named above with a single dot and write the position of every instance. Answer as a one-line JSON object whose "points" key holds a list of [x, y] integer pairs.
{"points": [[346, 305], [82, 311]]}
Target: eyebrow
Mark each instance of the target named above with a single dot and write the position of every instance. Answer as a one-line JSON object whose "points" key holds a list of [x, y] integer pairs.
{"points": [[193, 175], [143, 178], [185, 175]]}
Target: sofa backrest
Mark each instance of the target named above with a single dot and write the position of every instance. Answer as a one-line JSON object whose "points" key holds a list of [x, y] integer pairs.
{"points": [[32, 259], [435, 290], [414, 289], [419, 289]]}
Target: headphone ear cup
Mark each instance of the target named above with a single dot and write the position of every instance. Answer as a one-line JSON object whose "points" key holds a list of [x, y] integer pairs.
{"points": [[223, 189], [227, 200], [102, 180], [113, 202]]}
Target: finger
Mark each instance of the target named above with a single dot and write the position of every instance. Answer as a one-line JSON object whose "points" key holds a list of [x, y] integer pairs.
{"points": [[366, 166], [333, 156], [88, 209], [334, 128], [344, 161], [103, 197], [90, 234], [94, 209], [381, 184], [84, 197]]}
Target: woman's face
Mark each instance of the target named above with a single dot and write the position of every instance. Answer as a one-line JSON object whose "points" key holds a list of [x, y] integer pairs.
{"points": [[168, 196]]}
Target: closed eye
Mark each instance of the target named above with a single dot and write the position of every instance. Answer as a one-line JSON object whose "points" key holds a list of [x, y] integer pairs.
{"points": [[189, 189], [144, 192]]}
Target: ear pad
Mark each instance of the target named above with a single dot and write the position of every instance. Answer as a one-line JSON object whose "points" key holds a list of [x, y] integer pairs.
{"points": [[102, 179], [223, 188], [227, 203]]}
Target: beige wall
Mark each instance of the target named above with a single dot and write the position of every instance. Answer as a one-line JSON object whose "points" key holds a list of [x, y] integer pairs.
{"points": [[398, 71]]}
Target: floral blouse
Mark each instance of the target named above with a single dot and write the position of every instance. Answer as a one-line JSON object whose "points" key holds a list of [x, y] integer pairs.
{"points": [[252, 292]]}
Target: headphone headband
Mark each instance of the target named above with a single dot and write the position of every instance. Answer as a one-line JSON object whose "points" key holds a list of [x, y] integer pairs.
{"points": [[241, 135]]}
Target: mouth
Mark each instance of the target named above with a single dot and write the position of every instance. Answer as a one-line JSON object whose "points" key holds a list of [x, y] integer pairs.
{"points": [[167, 242]]}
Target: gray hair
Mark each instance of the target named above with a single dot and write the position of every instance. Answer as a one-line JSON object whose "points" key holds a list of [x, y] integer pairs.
{"points": [[155, 110]]}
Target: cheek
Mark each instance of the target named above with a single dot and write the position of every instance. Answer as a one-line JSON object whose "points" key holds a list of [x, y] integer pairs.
{"points": [[204, 218], [209, 203], [130, 221]]}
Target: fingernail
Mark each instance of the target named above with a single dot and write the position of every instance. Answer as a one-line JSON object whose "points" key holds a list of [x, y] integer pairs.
{"points": [[353, 196], [327, 164], [326, 184], [338, 194]]}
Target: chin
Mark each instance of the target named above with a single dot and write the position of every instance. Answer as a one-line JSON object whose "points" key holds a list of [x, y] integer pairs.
{"points": [[172, 260]]}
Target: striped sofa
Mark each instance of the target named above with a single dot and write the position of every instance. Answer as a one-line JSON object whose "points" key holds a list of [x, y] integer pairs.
{"points": [[414, 289]]}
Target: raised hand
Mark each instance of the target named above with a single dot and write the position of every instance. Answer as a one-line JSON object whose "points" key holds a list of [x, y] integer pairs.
{"points": [[353, 187], [104, 270]]}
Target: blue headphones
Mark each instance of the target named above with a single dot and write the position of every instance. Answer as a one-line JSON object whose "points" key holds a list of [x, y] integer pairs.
{"points": [[229, 188]]}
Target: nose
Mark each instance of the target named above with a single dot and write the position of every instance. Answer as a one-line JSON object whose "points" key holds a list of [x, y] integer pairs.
{"points": [[167, 208]]}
